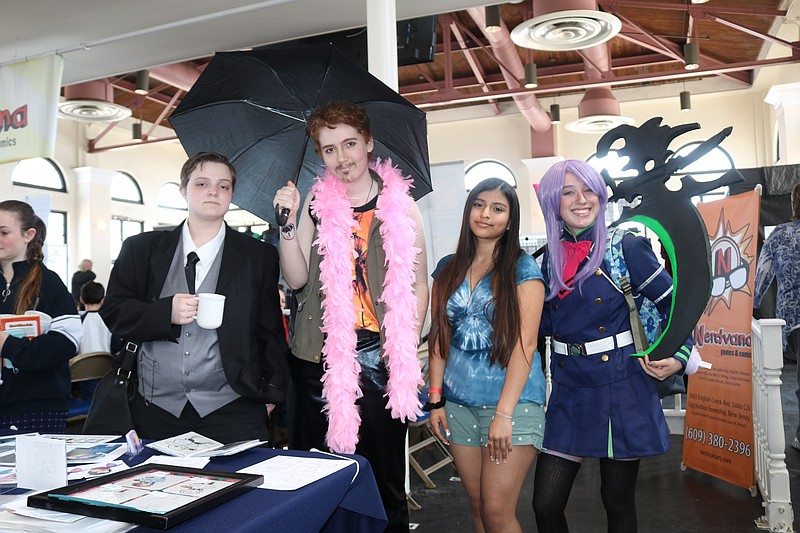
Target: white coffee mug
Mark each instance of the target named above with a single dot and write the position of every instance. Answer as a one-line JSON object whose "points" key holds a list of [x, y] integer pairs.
{"points": [[210, 308]]}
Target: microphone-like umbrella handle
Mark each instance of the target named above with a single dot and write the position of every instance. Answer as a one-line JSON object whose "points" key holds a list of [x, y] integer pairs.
{"points": [[281, 215]]}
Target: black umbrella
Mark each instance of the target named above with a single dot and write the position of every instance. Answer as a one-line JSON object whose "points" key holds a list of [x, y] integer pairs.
{"points": [[252, 107]]}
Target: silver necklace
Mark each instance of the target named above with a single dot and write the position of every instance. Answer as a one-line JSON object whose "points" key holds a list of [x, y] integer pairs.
{"points": [[6, 292], [369, 192]]}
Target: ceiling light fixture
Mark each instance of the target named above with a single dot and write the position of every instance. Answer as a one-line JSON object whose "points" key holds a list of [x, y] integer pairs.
{"points": [[686, 101], [555, 113], [530, 76], [91, 101], [137, 131], [565, 25], [691, 55], [492, 14], [142, 82], [598, 112]]}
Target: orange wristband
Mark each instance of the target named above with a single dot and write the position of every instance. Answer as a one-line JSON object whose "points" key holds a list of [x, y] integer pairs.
{"points": [[434, 390]]}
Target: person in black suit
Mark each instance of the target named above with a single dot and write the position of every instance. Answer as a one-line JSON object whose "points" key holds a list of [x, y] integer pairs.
{"points": [[215, 382]]}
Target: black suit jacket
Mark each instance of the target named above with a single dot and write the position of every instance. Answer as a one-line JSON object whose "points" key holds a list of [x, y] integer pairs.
{"points": [[252, 341]]}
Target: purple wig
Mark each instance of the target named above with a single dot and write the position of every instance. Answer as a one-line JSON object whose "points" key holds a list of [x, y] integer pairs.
{"points": [[549, 193]]}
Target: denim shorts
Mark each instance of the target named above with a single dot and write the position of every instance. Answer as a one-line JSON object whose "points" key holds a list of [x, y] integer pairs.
{"points": [[469, 426]]}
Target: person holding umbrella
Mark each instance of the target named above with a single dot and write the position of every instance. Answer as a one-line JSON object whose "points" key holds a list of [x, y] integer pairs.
{"points": [[358, 254]]}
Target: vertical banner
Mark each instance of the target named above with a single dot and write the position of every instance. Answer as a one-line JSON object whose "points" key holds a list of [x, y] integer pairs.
{"points": [[29, 92], [718, 430]]}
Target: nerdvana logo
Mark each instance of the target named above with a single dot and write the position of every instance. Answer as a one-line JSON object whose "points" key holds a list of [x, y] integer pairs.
{"points": [[13, 119]]}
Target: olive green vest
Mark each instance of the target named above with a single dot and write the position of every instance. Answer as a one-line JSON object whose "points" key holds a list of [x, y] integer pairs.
{"points": [[308, 336]]}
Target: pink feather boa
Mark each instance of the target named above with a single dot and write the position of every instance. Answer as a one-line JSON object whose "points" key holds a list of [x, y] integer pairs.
{"points": [[340, 382]]}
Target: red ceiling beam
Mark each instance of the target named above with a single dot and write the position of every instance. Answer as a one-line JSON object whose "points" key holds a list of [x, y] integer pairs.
{"points": [[754, 33], [544, 73], [94, 149], [618, 81], [469, 55]]}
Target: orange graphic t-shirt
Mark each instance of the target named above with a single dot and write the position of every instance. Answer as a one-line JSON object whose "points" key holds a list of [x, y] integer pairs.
{"points": [[365, 312]]}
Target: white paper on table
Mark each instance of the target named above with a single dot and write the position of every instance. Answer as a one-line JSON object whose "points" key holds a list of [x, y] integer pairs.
{"points": [[286, 472], [41, 463], [19, 506], [12, 522], [168, 460], [82, 439]]}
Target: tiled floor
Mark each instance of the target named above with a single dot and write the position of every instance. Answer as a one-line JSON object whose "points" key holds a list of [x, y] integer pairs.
{"points": [[668, 499]]}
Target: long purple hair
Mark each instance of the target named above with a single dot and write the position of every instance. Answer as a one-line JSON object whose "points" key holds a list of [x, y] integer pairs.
{"points": [[549, 193]]}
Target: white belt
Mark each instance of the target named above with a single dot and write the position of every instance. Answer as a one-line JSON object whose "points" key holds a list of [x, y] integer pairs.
{"points": [[605, 344]]}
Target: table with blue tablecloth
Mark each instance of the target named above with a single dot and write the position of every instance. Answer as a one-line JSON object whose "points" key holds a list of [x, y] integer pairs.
{"points": [[335, 503], [339, 502]]}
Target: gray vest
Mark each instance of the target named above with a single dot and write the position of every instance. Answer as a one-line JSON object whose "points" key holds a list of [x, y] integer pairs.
{"points": [[171, 373], [308, 337]]}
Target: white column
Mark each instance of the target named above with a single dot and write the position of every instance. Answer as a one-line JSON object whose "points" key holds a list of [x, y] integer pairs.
{"points": [[93, 218], [382, 41], [786, 101], [536, 168]]}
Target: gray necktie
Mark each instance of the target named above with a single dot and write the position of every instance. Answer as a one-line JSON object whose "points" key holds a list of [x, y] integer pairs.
{"points": [[191, 269]]}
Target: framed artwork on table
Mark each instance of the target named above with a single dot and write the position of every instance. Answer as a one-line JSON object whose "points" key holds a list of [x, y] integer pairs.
{"points": [[152, 495]]}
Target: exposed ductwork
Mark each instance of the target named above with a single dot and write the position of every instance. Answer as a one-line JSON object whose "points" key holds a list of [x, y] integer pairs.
{"points": [[507, 55], [181, 75], [598, 110], [91, 101]]}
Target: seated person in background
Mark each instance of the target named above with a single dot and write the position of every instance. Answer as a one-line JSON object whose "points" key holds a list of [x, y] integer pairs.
{"points": [[96, 336]]}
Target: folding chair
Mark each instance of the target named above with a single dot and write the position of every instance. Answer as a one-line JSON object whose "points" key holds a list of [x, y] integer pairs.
{"points": [[428, 440], [85, 367]]}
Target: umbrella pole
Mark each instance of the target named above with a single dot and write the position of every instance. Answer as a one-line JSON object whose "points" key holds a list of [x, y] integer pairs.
{"points": [[282, 213]]}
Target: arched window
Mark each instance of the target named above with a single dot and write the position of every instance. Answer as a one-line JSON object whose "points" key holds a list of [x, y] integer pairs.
{"points": [[487, 168], [120, 229], [170, 197], [613, 164], [172, 207], [125, 189], [39, 173], [56, 257], [709, 167]]}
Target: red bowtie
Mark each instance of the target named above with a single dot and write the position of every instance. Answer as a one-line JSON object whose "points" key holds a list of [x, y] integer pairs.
{"points": [[574, 254]]}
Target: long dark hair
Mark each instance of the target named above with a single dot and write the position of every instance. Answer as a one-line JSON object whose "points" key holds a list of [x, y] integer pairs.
{"points": [[29, 290], [506, 319]]}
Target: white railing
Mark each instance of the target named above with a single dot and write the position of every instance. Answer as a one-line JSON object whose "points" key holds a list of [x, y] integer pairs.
{"points": [[769, 438], [675, 415]]}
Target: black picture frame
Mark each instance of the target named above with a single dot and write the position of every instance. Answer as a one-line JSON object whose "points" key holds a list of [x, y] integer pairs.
{"points": [[53, 499]]}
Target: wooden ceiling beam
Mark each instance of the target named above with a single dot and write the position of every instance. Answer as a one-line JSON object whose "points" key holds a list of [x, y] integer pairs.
{"points": [[475, 65], [619, 81]]}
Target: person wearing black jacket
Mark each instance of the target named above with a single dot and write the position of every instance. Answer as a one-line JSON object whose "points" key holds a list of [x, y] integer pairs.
{"points": [[215, 382], [35, 389]]}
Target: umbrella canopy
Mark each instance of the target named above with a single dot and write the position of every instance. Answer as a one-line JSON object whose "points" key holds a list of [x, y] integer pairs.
{"points": [[253, 106]]}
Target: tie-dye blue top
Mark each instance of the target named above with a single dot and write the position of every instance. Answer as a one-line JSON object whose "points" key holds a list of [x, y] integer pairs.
{"points": [[780, 258], [469, 379]]}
